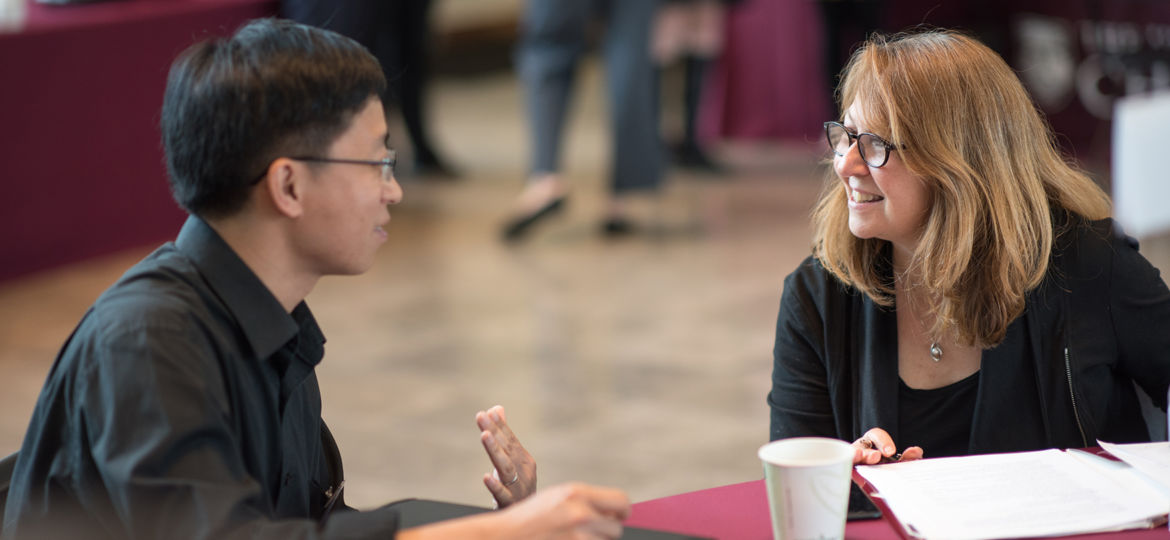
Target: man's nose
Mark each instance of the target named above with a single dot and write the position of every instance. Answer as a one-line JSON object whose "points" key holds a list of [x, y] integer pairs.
{"points": [[391, 192]]}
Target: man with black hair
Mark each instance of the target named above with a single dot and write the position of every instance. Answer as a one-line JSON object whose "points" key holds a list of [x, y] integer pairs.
{"points": [[185, 404]]}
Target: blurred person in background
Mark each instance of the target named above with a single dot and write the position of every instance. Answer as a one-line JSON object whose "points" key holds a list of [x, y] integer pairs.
{"points": [[398, 33], [691, 30], [844, 24], [554, 36], [186, 402], [968, 292]]}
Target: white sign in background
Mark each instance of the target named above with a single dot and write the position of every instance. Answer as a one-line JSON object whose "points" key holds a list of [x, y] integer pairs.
{"points": [[1141, 164]]}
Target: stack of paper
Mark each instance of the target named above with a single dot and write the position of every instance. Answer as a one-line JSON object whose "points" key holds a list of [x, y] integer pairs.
{"points": [[1151, 460], [1045, 493]]}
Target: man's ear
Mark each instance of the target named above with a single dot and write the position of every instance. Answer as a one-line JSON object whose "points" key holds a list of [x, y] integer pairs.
{"points": [[284, 186]]}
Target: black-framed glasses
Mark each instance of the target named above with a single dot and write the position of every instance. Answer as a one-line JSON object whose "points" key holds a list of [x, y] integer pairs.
{"points": [[875, 151], [387, 164]]}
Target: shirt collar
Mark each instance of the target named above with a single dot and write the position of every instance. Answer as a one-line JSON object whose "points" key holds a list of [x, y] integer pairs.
{"points": [[264, 322], [311, 342]]}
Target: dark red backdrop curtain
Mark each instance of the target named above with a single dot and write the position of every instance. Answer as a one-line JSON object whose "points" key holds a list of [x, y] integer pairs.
{"points": [[1075, 57], [82, 167], [769, 82]]}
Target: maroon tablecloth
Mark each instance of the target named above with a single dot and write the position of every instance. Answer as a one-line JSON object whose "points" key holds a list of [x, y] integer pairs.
{"points": [[81, 164], [740, 512]]}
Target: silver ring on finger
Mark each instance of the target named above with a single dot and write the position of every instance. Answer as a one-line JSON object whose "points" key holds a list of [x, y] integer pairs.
{"points": [[515, 478]]}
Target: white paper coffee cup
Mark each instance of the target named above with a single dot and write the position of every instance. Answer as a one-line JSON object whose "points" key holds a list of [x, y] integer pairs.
{"points": [[808, 486]]}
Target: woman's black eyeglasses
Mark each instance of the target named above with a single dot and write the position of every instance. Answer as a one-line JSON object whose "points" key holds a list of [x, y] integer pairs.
{"points": [[875, 151]]}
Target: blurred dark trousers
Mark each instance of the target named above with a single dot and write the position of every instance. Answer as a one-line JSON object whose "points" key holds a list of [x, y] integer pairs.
{"points": [[554, 36], [396, 33]]}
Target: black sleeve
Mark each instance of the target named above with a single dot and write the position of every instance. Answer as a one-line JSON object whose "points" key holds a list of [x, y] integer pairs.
{"points": [[799, 399], [166, 455], [1140, 310]]}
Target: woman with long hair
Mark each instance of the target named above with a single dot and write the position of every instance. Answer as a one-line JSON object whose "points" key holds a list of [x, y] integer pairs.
{"points": [[967, 291]]}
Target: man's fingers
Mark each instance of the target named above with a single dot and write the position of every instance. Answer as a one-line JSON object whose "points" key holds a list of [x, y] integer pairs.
{"points": [[500, 459], [483, 420], [507, 438], [500, 493], [493, 420], [607, 501], [605, 527]]}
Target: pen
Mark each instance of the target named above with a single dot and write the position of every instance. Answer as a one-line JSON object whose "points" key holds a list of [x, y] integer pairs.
{"points": [[332, 496], [891, 459], [869, 444]]}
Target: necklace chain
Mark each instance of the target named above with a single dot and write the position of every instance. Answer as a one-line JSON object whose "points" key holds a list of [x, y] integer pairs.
{"points": [[936, 351]]}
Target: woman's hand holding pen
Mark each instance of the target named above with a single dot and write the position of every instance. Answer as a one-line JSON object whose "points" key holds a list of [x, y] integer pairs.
{"points": [[876, 446], [514, 476]]}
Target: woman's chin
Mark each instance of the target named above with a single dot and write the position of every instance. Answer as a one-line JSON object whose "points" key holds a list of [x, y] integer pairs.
{"points": [[860, 230]]}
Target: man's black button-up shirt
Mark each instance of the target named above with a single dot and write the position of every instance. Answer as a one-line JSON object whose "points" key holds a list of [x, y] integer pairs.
{"points": [[184, 405]]}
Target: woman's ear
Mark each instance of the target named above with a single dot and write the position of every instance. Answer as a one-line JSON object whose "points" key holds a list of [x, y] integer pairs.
{"points": [[283, 185]]}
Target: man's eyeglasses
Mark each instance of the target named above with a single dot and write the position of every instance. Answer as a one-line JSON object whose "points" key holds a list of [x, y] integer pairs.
{"points": [[386, 164], [875, 151]]}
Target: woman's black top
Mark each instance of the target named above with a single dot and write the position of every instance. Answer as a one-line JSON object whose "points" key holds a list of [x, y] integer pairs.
{"points": [[939, 419], [1062, 377]]}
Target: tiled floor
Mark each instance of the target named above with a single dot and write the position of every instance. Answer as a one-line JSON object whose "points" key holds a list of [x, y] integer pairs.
{"points": [[641, 363]]}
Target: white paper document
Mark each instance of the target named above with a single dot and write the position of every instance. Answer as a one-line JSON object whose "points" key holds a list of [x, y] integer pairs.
{"points": [[1045, 493], [1150, 459]]}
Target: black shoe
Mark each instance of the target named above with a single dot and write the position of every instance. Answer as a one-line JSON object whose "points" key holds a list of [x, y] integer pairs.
{"points": [[617, 227], [691, 156], [518, 227]]}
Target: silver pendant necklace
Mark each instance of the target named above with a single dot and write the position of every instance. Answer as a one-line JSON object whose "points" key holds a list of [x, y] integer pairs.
{"points": [[936, 352]]}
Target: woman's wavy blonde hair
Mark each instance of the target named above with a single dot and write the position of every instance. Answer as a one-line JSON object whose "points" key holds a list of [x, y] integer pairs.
{"points": [[991, 165]]}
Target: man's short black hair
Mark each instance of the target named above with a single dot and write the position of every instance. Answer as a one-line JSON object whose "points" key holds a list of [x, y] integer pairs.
{"points": [[275, 88]]}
